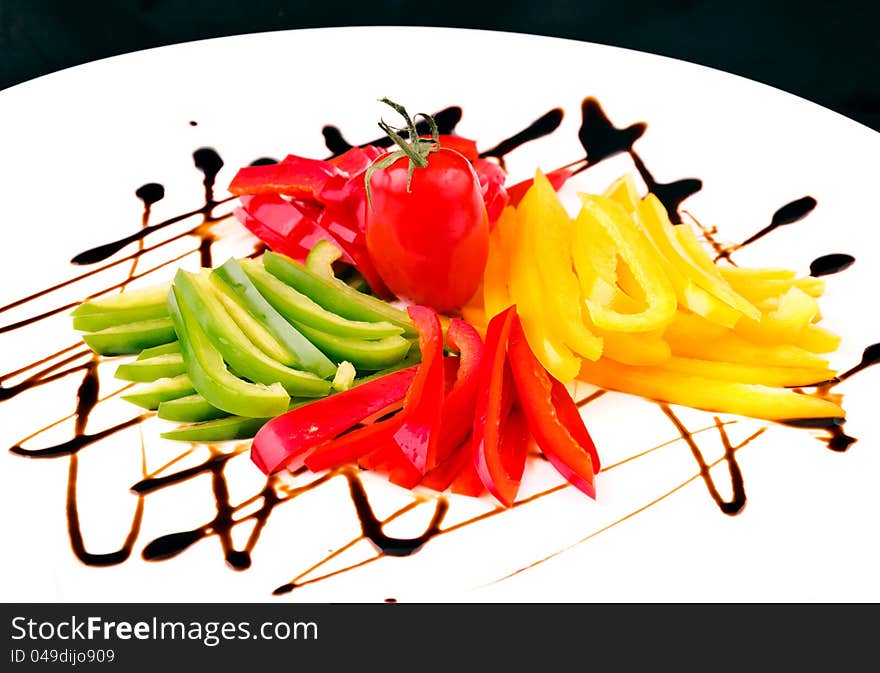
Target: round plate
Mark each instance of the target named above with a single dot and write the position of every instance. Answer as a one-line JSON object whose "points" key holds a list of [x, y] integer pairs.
{"points": [[79, 143]]}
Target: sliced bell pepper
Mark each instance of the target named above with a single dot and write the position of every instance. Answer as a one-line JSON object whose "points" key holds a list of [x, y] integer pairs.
{"points": [[333, 294], [444, 473], [557, 178], [553, 418], [357, 159], [290, 436], [631, 245], [458, 407], [216, 430], [492, 178], [352, 445], [164, 349], [419, 433], [152, 395], [208, 373], [547, 229], [514, 449], [464, 146], [136, 305], [283, 225], [297, 177], [189, 409], [196, 290], [130, 338], [492, 408], [297, 307], [151, 369], [467, 481], [231, 280]]}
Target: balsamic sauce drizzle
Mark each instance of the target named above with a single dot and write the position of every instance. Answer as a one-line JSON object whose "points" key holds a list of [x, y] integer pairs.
{"points": [[830, 264], [542, 126], [600, 140]]}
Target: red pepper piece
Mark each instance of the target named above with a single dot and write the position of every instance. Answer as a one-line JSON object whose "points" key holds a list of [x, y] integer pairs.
{"points": [[467, 481], [463, 146], [344, 215], [495, 195], [418, 435], [298, 177], [284, 226], [492, 409], [557, 178], [458, 407], [560, 432], [288, 437], [357, 159], [441, 477], [351, 446], [514, 449]]}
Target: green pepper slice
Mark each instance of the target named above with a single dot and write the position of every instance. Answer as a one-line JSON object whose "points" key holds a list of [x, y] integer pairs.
{"points": [[363, 354], [242, 355], [333, 294], [164, 349], [151, 369], [190, 409], [151, 395], [209, 375], [296, 306], [130, 338], [217, 430], [131, 306], [231, 277]]}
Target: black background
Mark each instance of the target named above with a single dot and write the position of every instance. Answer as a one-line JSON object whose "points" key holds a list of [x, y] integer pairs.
{"points": [[823, 51]]}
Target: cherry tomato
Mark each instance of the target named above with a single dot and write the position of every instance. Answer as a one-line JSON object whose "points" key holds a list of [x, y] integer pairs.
{"points": [[427, 228]]}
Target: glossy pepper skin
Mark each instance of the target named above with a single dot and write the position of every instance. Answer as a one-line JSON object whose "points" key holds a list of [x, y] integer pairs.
{"points": [[552, 416], [208, 373], [290, 436], [492, 410]]}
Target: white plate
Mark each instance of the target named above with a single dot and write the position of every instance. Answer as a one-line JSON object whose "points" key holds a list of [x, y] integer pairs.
{"points": [[76, 145]]}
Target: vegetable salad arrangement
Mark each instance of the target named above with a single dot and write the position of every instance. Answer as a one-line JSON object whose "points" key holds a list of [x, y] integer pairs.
{"points": [[417, 316]]}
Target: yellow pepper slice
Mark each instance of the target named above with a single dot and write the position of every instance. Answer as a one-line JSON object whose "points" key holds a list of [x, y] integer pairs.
{"points": [[527, 293], [748, 373], [546, 233], [818, 339], [624, 191], [783, 324], [747, 399], [655, 219], [633, 248], [496, 294], [692, 336]]}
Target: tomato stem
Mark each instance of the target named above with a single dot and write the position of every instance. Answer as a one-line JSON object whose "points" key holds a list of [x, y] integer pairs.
{"points": [[416, 149]]}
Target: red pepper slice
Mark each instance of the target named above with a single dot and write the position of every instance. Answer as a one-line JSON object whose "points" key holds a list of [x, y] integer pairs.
{"points": [[552, 415], [288, 437], [284, 226], [495, 195], [464, 146], [417, 436], [298, 177], [492, 408], [467, 481], [557, 178], [357, 159], [441, 477], [458, 407], [514, 449], [351, 446]]}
